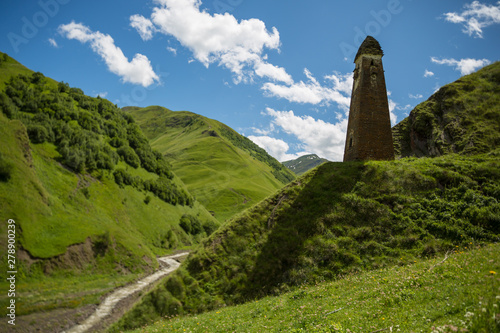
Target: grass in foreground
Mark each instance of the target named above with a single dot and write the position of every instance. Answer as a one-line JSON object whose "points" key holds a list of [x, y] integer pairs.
{"points": [[438, 295]]}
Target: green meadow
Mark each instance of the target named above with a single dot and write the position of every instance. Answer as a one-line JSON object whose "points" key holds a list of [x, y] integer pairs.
{"points": [[455, 292]]}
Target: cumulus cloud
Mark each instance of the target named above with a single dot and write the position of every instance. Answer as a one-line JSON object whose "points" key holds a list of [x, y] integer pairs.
{"points": [[317, 136], [313, 92], [475, 17], [275, 147], [144, 27], [465, 66], [428, 73], [240, 46], [137, 71], [416, 96], [263, 69], [218, 38]]}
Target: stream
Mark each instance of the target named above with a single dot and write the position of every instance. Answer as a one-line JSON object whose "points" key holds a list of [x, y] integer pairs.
{"points": [[106, 307]]}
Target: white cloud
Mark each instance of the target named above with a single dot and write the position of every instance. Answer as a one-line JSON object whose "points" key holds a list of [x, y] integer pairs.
{"points": [[416, 96], [313, 92], [465, 66], [393, 106], [53, 42], [171, 49], [428, 73], [219, 38], [275, 73], [143, 26], [102, 94], [317, 136], [275, 147], [475, 17], [261, 131], [137, 71]]}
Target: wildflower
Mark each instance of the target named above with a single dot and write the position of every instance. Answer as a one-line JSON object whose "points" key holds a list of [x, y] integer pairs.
{"points": [[493, 272]]}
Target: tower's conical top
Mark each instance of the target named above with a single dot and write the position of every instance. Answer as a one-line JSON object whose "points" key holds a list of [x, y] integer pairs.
{"points": [[369, 46]]}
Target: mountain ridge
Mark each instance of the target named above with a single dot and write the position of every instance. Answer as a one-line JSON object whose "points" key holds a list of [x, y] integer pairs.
{"points": [[304, 163]]}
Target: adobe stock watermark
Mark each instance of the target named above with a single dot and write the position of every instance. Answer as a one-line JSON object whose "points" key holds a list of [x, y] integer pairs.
{"points": [[222, 6], [31, 27], [138, 94], [381, 19]]}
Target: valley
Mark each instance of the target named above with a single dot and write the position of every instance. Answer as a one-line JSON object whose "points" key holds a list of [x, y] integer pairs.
{"points": [[111, 190]]}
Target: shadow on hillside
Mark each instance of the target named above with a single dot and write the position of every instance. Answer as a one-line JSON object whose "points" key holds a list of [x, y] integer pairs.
{"points": [[295, 224]]}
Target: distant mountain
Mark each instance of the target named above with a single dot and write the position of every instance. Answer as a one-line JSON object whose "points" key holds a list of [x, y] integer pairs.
{"points": [[304, 163], [90, 199], [224, 170], [462, 117]]}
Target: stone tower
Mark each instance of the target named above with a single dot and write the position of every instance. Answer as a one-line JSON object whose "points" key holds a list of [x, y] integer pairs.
{"points": [[369, 135]]}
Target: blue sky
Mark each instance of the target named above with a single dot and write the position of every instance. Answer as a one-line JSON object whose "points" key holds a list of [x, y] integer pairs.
{"points": [[279, 72]]}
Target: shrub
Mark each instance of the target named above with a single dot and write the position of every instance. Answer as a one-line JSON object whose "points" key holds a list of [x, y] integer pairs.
{"points": [[210, 226], [38, 133], [185, 223], [129, 156]]}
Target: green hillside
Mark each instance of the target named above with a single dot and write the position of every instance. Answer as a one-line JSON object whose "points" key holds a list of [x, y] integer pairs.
{"points": [[462, 117], [225, 171], [340, 218], [93, 203], [304, 163], [454, 293]]}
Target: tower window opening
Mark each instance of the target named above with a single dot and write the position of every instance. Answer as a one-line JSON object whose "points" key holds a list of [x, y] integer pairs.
{"points": [[350, 143]]}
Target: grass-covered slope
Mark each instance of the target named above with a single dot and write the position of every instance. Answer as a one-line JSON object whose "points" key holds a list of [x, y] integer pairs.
{"points": [[87, 192], [225, 171], [304, 163], [462, 117], [337, 219], [458, 292]]}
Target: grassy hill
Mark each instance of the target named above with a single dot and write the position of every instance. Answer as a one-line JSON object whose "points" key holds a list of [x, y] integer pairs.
{"points": [[462, 117], [225, 171], [340, 218], [304, 163], [93, 203], [445, 294]]}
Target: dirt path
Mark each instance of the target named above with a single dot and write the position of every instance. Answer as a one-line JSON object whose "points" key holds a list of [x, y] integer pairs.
{"points": [[106, 307]]}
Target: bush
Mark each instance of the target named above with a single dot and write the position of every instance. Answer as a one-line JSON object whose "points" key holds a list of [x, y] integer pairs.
{"points": [[185, 223], [129, 156], [210, 226], [38, 133], [7, 106]]}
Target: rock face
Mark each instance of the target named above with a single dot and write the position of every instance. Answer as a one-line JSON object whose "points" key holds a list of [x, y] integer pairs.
{"points": [[462, 117], [369, 135]]}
